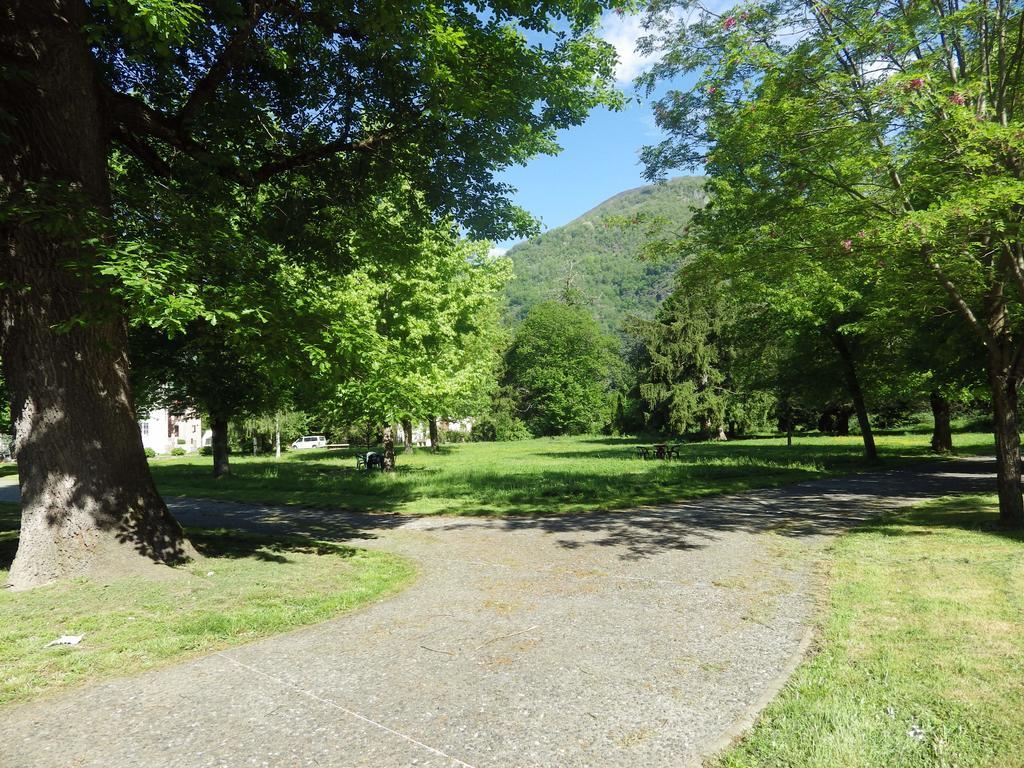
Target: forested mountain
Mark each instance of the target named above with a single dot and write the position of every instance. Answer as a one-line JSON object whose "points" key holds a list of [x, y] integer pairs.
{"points": [[596, 255]]}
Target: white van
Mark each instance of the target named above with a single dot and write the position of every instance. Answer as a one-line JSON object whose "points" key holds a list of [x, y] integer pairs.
{"points": [[309, 441]]}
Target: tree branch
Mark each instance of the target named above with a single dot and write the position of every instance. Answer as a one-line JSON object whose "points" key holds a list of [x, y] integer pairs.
{"points": [[311, 155], [958, 300], [143, 152], [207, 85], [132, 117]]}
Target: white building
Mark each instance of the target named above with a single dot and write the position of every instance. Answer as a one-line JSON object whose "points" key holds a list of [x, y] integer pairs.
{"points": [[421, 432], [163, 432]]}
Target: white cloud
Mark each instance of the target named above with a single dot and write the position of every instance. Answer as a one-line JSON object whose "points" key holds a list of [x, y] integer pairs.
{"points": [[498, 251], [623, 32]]}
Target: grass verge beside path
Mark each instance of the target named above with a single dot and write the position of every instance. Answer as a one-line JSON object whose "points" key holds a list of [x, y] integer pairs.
{"points": [[920, 651], [541, 476], [244, 588]]}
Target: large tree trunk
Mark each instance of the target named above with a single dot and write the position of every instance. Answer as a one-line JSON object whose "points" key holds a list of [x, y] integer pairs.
{"points": [[409, 445], [432, 421], [942, 434], [856, 394], [221, 451], [89, 505], [1007, 437]]}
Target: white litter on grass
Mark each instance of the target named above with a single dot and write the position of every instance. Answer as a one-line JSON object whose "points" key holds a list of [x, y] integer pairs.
{"points": [[66, 640], [209, 573], [916, 732]]}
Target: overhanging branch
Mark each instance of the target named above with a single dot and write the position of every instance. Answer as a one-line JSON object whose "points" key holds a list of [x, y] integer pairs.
{"points": [[207, 85]]}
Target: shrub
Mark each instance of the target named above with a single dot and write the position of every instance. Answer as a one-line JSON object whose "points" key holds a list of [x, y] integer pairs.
{"points": [[206, 450], [453, 436], [177, 451], [501, 426], [150, 453]]}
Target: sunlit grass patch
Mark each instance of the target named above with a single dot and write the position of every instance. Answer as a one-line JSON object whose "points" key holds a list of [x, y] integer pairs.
{"points": [[542, 476], [920, 651], [244, 588]]}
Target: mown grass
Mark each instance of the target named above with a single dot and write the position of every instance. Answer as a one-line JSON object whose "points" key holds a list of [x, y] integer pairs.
{"points": [[244, 588], [920, 652], [547, 475]]}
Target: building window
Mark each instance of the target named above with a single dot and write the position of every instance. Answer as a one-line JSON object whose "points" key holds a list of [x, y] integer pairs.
{"points": [[145, 427]]}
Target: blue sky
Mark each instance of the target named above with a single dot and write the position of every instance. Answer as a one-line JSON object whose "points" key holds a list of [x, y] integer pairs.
{"points": [[600, 157]]}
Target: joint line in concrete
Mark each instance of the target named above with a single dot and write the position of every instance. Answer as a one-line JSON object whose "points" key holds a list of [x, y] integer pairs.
{"points": [[346, 710]]}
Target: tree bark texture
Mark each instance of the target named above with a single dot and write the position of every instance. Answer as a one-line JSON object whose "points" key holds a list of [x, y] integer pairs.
{"points": [[89, 505], [942, 434], [221, 451], [1007, 437], [432, 421], [407, 432], [855, 392], [389, 449]]}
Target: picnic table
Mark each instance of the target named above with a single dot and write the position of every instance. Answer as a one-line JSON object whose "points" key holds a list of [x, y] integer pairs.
{"points": [[657, 451]]}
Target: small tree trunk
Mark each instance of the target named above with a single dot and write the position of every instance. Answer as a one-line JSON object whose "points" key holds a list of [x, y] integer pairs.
{"points": [[88, 503], [1007, 437], [432, 421], [942, 434], [825, 422], [853, 387], [408, 444], [389, 449], [219, 427], [277, 436]]}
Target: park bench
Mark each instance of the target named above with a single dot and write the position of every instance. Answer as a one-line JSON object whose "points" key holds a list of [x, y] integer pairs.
{"points": [[336, 446]]}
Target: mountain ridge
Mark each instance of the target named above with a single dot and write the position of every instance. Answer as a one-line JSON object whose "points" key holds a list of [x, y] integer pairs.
{"points": [[598, 258]]}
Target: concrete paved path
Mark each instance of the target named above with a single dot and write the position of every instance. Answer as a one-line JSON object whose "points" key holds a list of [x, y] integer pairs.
{"points": [[628, 639]]}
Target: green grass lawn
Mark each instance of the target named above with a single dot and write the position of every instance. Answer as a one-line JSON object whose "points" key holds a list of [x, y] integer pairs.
{"points": [[921, 651], [546, 475], [244, 588]]}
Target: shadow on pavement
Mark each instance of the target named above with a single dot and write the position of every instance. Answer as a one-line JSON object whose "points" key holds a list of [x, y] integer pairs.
{"points": [[816, 508]]}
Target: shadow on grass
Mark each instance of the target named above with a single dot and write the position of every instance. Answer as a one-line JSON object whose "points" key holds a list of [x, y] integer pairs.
{"points": [[10, 525], [213, 542], [971, 512]]}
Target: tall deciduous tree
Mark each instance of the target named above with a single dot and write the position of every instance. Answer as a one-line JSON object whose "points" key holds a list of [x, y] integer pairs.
{"points": [[876, 137], [421, 340], [561, 367], [228, 96]]}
